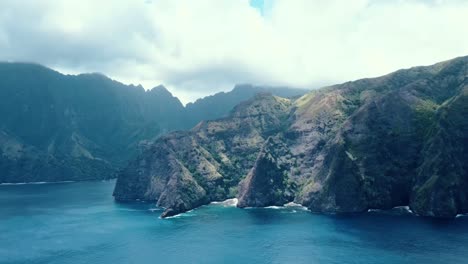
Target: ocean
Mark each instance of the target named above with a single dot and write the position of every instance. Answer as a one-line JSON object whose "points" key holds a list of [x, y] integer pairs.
{"points": [[80, 223]]}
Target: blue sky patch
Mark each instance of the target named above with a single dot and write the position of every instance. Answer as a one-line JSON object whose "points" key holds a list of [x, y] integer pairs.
{"points": [[258, 4]]}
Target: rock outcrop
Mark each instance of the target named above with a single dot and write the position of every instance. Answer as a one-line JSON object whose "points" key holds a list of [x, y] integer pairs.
{"points": [[182, 170], [267, 183], [396, 140]]}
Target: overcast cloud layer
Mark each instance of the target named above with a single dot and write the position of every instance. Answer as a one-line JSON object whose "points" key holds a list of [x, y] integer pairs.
{"points": [[200, 47]]}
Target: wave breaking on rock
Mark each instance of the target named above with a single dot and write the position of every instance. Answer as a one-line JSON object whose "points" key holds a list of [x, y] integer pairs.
{"points": [[227, 203]]}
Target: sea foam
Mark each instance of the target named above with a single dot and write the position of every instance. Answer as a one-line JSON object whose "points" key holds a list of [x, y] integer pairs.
{"points": [[405, 208], [227, 203], [33, 183], [184, 214], [274, 207]]}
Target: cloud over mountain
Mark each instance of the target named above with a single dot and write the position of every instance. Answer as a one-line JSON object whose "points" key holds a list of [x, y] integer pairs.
{"points": [[199, 47]]}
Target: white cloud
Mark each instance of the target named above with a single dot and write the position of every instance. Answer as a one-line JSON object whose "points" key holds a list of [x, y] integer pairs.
{"points": [[200, 47]]}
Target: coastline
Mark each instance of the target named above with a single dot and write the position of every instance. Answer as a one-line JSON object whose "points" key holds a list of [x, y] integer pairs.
{"points": [[31, 183], [43, 182]]}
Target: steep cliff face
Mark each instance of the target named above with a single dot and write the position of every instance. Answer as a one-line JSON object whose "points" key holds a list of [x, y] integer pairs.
{"points": [[206, 164], [378, 154], [267, 183], [400, 139], [441, 186]]}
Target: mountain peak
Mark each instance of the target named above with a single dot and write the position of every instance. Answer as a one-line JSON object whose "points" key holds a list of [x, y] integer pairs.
{"points": [[242, 87], [161, 90]]}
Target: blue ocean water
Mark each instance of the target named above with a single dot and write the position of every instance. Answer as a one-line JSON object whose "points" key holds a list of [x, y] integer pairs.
{"points": [[80, 223]]}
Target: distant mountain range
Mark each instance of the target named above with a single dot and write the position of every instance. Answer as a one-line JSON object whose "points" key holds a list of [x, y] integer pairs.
{"points": [[56, 127], [397, 140], [220, 104]]}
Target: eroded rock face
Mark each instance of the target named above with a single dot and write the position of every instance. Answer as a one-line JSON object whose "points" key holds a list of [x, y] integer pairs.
{"points": [[183, 170], [376, 159], [267, 183], [396, 140], [441, 187]]}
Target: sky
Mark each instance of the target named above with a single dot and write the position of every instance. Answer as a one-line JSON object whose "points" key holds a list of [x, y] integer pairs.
{"points": [[199, 47]]}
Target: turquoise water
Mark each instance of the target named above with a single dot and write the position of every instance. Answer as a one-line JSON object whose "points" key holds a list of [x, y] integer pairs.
{"points": [[80, 223]]}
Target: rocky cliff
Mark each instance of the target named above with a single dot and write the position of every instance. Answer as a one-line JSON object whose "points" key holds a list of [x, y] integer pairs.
{"points": [[400, 139], [184, 169]]}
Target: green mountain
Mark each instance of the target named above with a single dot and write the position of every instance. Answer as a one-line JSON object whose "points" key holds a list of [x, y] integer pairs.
{"points": [[56, 127], [396, 140], [63, 127], [220, 104]]}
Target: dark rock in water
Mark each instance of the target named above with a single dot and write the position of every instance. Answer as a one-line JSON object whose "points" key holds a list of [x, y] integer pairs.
{"points": [[169, 212], [396, 140]]}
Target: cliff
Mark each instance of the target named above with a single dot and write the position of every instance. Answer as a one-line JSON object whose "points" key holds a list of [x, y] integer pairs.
{"points": [[400, 139]]}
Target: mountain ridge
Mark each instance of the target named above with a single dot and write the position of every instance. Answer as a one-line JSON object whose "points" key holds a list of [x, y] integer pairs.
{"points": [[57, 127], [345, 148]]}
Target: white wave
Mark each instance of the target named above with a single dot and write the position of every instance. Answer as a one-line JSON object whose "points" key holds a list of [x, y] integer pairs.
{"points": [[292, 204], [184, 214], [8, 183], [296, 206], [227, 203], [170, 217], [461, 215], [274, 207], [395, 209], [405, 208], [24, 183]]}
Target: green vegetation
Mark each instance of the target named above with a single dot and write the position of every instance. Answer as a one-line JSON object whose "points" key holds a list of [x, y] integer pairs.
{"points": [[425, 113]]}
